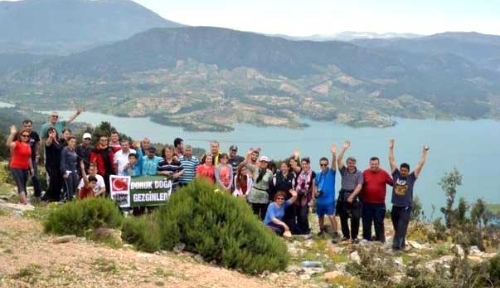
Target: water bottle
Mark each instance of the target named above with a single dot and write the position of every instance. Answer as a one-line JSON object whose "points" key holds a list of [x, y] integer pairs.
{"points": [[311, 264]]}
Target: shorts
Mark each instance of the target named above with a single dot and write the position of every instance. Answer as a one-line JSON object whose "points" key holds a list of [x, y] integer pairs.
{"points": [[325, 209]]}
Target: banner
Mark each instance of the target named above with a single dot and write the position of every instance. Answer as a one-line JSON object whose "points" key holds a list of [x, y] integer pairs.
{"points": [[140, 191]]}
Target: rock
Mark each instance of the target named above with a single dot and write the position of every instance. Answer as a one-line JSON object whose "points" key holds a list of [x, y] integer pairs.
{"points": [[199, 258], [415, 245], [292, 269], [332, 275], [474, 250], [475, 259], [143, 255], [440, 261], [457, 249], [354, 256], [179, 247], [64, 239]]}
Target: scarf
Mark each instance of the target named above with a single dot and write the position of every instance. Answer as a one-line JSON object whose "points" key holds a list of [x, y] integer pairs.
{"points": [[303, 182]]}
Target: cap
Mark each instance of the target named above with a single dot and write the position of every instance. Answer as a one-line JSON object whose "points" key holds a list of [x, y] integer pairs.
{"points": [[264, 158], [151, 149], [233, 148], [87, 135]]}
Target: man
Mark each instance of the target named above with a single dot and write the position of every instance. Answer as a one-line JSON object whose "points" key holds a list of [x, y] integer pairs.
{"points": [[178, 147], [35, 155], [190, 163], [102, 155], [58, 125], [348, 203], [374, 191], [83, 150], [214, 150], [325, 194], [100, 187], [234, 159], [402, 195], [145, 145], [150, 162], [121, 157], [114, 141]]}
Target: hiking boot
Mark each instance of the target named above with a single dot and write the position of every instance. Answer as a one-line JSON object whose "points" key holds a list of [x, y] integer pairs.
{"points": [[321, 233], [355, 241]]}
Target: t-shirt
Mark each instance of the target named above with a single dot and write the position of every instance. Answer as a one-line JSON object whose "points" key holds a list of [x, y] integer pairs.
{"points": [[273, 211], [260, 189], [21, 156], [326, 183], [190, 165], [207, 172], [173, 166], [402, 191], [85, 192], [374, 188], [235, 162], [34, 140], [350, 180], [224, 175], [59, 126], [98, 186]]}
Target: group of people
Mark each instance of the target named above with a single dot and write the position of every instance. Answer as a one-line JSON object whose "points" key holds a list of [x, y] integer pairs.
{"points": [[280, 194]]}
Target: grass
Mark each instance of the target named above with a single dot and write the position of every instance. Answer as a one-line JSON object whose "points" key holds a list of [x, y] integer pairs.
{"points": [[104, 265], [493, 208], [28, 274]]}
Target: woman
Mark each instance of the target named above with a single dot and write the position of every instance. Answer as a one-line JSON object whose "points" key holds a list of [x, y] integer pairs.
{"points": [[284, 180], [20, 163], [69, 167], [224, 173], [53, 166], [242, 182], [66, 134], [276, 212], [259, 195], [207, 169], [170, 167]]}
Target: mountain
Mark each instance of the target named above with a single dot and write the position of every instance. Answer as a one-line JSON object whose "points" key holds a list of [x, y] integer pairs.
{"points": [[65, 26], [482, 49], [186, 70], [347, 36]]}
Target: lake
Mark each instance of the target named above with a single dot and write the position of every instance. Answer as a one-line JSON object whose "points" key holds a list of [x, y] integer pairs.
{"points": [[470, 146]]}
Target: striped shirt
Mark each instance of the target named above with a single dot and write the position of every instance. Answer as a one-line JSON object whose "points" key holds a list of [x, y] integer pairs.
{"points": [[189, 166], [173, 167]]}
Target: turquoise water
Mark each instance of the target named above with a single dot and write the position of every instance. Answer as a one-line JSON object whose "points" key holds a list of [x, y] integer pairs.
{"points": [[470, 146]]}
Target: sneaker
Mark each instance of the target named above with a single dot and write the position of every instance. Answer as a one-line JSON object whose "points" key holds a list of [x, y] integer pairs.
{"points": [[346, 239], [321, 233], [355, 241]]}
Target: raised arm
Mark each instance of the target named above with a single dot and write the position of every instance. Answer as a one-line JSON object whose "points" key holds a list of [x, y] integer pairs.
{"points": [[84, 175], [295, 163], [73, 117], [421, 163], [346, 146], [392, 160], [10, 139], [334, 155]]}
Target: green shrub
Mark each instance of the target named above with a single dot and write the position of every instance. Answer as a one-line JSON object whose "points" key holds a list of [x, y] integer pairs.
{"points": [[143, 232], [76, 217], [220, 228], [494, 271]]}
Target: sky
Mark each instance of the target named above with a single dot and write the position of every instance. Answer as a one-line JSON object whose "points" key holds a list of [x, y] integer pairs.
{"points": [[328, 17]]}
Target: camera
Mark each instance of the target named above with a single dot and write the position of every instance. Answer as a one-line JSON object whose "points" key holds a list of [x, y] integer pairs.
{"points": [[319, 193]]}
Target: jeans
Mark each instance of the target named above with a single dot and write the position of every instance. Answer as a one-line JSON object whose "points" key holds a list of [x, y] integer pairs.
{"points": [[400, 217], [373, 213], [20, 177], [35, 180], [71, 183]]}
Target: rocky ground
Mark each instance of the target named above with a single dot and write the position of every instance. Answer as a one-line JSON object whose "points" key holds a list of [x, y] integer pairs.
{"points": [[31, 258]]}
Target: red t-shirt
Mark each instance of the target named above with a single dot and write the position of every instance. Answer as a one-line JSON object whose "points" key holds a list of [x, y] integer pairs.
{"points": [[21, 156], [374, 186], [206, 172]]}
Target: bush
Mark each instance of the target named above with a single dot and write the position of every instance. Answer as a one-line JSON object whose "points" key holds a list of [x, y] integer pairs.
{"points": [[76, 217], [494, 271], [143, 231], [221, 229]]}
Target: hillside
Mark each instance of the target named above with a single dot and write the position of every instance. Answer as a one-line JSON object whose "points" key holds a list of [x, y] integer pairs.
{"points": [[481, 49], [64, 26], [186, 70]]}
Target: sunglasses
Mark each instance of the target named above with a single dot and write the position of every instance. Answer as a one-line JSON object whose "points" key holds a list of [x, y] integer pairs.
{"points": [[25, 135], [87, 139], [323, 165], [55, 116], [280, 198]]}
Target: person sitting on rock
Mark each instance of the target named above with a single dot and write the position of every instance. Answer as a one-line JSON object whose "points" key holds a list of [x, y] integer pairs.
{"points": [[276, 212]]}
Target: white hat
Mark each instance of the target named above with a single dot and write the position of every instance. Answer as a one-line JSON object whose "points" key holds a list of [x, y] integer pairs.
{"points": [[264, 158], [87, 135]]}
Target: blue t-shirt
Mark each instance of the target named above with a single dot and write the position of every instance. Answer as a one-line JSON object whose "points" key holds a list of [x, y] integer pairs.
{"points": [[274, 211], [326, 183]]}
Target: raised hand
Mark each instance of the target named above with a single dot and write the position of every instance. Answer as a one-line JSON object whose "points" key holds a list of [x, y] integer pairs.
{"points": [[391, 143], [296, 153], [426, 148], [347, 144], [334, 149], [80, 110], [13, 129], [293, 192], [52, 134]]}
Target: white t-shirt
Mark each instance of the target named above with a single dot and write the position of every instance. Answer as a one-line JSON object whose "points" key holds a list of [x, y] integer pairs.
{"points": [[100, 183], [122, 159]]}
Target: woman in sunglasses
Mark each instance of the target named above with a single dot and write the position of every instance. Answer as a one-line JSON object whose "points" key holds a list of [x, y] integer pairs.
{"points": [[276, 213], [20, 162]]}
